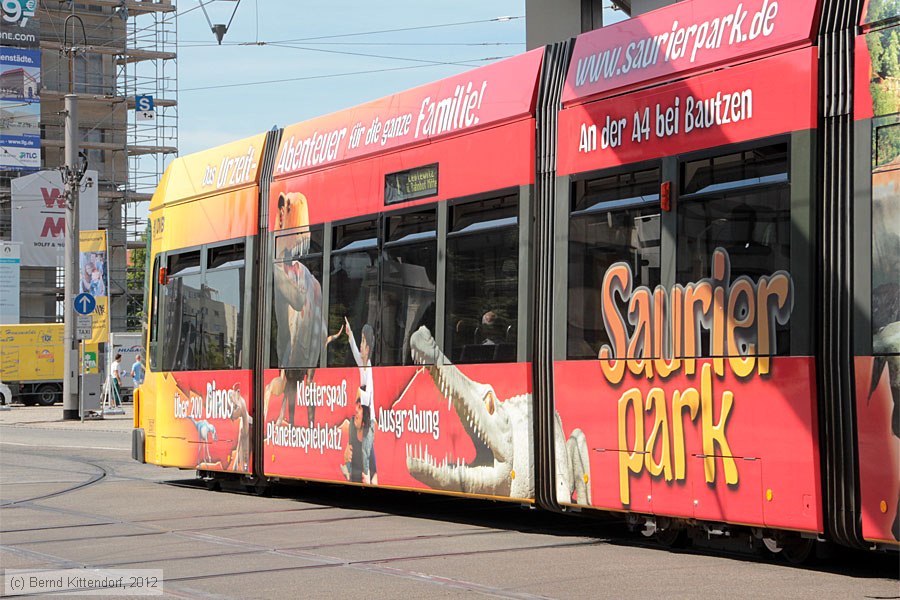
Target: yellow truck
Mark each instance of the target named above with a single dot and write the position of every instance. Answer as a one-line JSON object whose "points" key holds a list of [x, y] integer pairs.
{"points": [[31, 362]]}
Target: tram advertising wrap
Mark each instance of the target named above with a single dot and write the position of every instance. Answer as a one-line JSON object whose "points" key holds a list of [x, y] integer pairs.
{"points": [[441, 428], [729, 438], [623, 273]]}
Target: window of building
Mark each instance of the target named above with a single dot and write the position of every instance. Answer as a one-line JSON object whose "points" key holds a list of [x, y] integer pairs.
{"points": [[482, 281], [89, 73], [615, 219]]}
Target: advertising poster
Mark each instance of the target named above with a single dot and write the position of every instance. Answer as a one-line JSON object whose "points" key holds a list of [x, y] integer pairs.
{"points": [[449, 428], [731, 438], [20, 108], [10, 262], [94, 280], [206, 417], [20, 27], [39, 215], [459, 429], [90, 366]]}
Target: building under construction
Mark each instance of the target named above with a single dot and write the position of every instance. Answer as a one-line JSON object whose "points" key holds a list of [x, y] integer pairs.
{"points": [[124, 50]]}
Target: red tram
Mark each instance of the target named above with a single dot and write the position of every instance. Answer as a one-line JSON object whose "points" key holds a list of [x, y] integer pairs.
{"points": [[654, 270]]}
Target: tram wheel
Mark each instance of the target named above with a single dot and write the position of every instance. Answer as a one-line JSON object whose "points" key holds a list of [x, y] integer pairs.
{"points": [[798, 551], [673, 536]]}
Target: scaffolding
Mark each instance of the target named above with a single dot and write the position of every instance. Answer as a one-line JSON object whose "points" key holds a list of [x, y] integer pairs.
{"points": [[149, 67]]}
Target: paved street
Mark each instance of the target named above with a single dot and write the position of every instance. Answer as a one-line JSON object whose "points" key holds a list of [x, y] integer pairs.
{"points": [[71, 497]]}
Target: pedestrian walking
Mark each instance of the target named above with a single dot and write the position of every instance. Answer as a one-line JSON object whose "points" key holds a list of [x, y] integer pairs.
{"points": [[137, 371], [115, 381]]}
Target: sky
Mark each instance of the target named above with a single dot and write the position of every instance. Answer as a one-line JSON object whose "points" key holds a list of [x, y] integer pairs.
{"points": [[222, 96]]}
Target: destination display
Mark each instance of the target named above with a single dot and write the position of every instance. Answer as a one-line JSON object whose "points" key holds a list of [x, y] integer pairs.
{"points": [[412, 184]]}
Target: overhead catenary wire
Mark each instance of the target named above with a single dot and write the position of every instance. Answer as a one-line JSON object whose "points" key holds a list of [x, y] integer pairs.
{"points": [[329, 76], [359, 33], [462, 63]]}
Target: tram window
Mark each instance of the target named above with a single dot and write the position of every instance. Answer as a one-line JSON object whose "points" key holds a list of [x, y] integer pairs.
{"points": [[885, 234], [482, 281], [298, 244], [616, 190], [231, 255], [409, 274], [752, 225], [765, 165], [183, 318], [298, 323], [183, 264], [201, 313], [223, 293], [154, 316], [353, 293], [615, 220]]}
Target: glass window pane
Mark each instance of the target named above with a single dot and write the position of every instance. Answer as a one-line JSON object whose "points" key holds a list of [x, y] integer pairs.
{"points": [[627, 188], [356, 236], [183, 264], [768, 164], [497, 212], [409, 273], [753, 228], [597, 240], [411, 227], [231, 255], [155, 315], [305, 242], [183, 323], [354, 288], [885, 233], [482, 288], [223, 319], [298, 323]]}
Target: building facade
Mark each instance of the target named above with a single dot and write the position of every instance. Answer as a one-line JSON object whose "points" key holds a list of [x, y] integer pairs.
{"points": [[113, 52]]}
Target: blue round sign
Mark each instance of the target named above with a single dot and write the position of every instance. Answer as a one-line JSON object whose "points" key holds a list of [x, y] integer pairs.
{"points": [[85, 304]]}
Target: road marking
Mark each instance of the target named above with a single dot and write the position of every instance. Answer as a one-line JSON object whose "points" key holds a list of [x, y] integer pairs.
{"points": [[66, 446]]}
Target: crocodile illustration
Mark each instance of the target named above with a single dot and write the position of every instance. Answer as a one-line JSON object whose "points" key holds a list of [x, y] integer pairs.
{"points": [[502, 432]]}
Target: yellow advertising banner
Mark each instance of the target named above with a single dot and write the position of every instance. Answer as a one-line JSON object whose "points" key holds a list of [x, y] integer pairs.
{"points": [[94, 280]]}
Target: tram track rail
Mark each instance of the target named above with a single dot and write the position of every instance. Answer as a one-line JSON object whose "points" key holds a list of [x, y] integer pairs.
{"points": [[93, 480]]}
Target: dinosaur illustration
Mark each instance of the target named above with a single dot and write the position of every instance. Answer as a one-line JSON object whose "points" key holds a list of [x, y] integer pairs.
{"points": [[240, 460], [205, 432], [301, 327], [501, 431]]}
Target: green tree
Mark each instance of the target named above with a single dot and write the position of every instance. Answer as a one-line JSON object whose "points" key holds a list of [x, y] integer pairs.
{"points": [[136, 276], [891, 57], [876, 52], [881, 10]]}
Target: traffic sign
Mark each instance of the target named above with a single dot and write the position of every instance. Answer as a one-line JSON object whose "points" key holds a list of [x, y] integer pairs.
{"points": [[85, 303], [84, 327], [144, 110]]}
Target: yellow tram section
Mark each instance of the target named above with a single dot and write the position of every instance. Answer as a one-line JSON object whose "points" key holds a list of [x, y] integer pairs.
{"points": [[202, 198]]}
